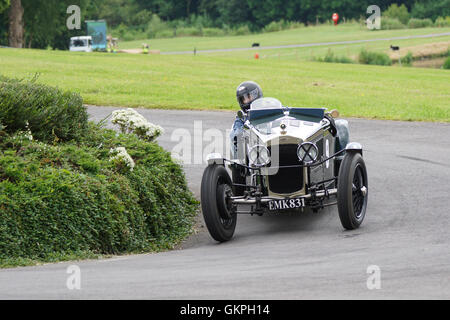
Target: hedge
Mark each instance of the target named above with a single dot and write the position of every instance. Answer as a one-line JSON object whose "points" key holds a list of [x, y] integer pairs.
{"points": [[391, 24], [331, 57], [375, 58], [420, 23], [67, 199], [407, 60], [51, 113], [447, 63], [442, 22]]}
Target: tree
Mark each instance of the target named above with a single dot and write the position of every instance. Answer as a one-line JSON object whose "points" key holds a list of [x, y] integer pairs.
{"points": [[4, 4], [41, 23], [397, 12], [45, 22], [431, 9], [233, 12], [16, 24]]}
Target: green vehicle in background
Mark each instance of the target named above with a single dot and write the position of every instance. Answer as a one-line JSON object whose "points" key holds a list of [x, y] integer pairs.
{"points": [[98, 31]]}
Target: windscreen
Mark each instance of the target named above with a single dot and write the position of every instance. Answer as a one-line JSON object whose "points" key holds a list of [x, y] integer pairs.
{"points": [[266, 103], [307, 114], [78, 43], [257, 117]]}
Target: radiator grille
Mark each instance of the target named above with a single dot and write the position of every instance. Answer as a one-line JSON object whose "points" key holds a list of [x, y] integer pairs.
{"points": [[287, 180]]}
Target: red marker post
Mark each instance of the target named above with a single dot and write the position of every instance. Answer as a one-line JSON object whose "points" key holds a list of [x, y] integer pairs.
{"points": [[335, 18]]}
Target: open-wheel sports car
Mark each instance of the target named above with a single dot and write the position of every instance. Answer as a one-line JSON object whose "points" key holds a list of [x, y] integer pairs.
{"points": [[285, 159]]}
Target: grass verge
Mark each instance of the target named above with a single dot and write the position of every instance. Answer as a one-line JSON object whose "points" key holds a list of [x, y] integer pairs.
{"points": [[188, 82]]}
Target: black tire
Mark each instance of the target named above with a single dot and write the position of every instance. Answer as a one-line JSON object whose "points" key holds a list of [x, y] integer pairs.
{"points": [[218, 219], [353, 190]]}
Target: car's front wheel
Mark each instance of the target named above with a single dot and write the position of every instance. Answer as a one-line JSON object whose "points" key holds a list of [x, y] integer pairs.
{"points": [[216, 191], [352, 191]]}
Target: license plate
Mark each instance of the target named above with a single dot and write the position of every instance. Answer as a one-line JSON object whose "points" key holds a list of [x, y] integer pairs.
{"points": [[284, 204]]}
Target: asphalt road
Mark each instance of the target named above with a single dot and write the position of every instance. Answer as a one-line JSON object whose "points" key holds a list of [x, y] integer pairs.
{"points": [[316, 44], [405, 234]]}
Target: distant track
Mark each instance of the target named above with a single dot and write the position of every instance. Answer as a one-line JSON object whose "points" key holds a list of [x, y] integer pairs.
{"points": [[306, 45]]}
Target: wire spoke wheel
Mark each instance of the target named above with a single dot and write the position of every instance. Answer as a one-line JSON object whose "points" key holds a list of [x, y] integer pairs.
{"points": [[224, 192]]}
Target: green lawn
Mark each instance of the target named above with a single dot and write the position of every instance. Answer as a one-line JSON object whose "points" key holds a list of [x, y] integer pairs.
{"points": [[322, 33], [209, 82]]}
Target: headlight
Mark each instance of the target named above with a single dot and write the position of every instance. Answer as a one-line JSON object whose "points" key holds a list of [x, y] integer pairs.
{"points": [[307, 152], [259, 155]]}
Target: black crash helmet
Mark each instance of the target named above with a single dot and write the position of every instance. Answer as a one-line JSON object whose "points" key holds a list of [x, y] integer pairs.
{"points": [[246, 93]]}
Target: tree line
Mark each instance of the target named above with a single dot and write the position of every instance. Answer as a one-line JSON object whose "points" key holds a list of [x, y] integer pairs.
{"points": [[42, 23]]}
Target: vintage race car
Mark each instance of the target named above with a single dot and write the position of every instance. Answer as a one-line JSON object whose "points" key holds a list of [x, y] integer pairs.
{"points": [[285, 159]]}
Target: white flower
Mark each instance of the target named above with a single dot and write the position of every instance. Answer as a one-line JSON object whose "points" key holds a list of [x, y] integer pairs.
{"points": [[121, 154], [130, 121], [21, 135], [28, 134]]}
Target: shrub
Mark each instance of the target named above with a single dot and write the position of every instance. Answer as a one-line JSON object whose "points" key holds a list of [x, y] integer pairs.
{"points": [[330, 57], [374, 58], [188, 31], [397, 12], [391, 24], [66, 199], [200, 21], [442, 22], [447, 63], [140, 18], [419, 23], [129, 33], [295, 25], [120, 31], [105, 193], [165, 34], [156, 27], [52, 114], [275, 26], [241, 31], [407, 59], [213, 32]]}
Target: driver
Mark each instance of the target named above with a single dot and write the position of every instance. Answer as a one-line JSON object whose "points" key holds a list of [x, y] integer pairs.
{"points": [[246, 93]]}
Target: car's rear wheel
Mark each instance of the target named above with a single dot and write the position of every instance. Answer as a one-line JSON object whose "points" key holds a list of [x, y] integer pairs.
{"points": [[216, 190], [352, 191]]}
